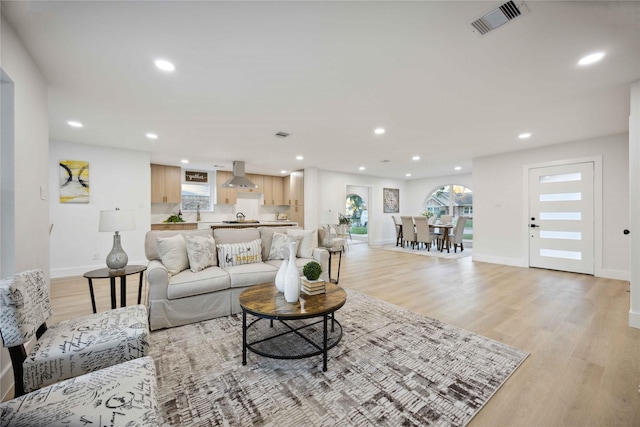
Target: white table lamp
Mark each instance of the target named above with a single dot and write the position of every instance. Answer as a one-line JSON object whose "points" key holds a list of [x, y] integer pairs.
{"points": [[117, 221]]}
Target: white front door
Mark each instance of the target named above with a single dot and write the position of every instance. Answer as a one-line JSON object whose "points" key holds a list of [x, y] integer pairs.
{"points": [[561, 220]]}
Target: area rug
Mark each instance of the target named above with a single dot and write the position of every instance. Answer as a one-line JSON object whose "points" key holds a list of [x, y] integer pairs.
{"points": [[432, 253], [393, 367]]}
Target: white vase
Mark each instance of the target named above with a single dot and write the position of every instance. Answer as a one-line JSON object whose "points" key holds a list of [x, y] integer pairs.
{"points": [[292, 278], [280, 276]]}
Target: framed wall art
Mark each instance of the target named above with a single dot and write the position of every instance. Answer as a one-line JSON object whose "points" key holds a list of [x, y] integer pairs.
{"points": [[74, 181], [391, 200]]}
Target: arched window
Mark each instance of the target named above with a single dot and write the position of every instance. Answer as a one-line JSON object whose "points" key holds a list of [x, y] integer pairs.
{"points": [[452, 199]]}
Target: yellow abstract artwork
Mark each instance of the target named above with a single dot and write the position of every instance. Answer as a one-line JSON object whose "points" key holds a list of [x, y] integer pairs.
{"points": [[74, 181]]}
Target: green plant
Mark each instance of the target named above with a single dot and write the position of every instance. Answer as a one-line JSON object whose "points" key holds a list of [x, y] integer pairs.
{"points": [[428, 214], [343, 220], [312, 270], [174, 218]]}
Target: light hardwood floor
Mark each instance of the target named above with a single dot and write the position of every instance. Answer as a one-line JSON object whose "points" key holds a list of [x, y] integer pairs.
{"points": [[584, 367]]}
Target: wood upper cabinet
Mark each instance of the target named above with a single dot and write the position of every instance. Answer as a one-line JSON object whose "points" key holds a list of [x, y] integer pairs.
{"points": [[297, 215], [166, 184], [273, 190], [225, 196], [286, 190], [297, 188]]}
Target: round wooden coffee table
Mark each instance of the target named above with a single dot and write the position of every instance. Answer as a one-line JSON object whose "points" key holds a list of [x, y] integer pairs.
{"points": [[293, 336]]}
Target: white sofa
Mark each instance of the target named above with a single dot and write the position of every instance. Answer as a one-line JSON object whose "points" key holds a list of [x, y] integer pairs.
{"points": [[188, 297]]}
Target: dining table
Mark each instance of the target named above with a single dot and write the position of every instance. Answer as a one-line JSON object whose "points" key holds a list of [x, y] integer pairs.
{"points": [[445, 234]]}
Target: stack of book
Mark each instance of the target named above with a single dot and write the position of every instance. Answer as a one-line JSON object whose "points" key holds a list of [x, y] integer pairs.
{"points": [[313, 287]]}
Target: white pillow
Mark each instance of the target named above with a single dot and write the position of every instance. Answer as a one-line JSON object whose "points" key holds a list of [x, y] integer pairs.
{"points": [[308, 242], [280, 245], [230, 254], [201, 251], [173, 253]]}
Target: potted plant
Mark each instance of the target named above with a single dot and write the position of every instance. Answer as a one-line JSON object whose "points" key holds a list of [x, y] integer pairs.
{"points": [[344, 222], [311, 285], [429, 216]]}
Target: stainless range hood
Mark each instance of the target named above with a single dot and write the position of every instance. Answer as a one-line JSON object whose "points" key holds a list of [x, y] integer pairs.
{"points": [[238, 180]]}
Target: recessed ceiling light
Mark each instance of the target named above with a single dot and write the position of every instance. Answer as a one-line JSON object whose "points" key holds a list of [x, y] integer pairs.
{"points": [[457, 168], [415, 158], [379, 131], [164, 65], [590, 59], [524, 135], [283, 172], [152, 136], [74, 124], [185, 161], [361, 168], [407, 174], [299, 157]]}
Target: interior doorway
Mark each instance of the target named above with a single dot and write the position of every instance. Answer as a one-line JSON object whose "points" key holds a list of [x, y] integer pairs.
{"points": [[357, 210]]}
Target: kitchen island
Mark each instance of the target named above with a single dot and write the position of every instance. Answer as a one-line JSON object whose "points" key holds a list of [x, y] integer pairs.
{"points": [[247, 224]]}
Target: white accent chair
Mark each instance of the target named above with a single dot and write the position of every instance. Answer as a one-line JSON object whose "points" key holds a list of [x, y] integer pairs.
{"points": [[69, 348], [123, 395]]}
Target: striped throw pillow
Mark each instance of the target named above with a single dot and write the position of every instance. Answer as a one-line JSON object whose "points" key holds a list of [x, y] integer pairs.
{"points": [[230, 254]]}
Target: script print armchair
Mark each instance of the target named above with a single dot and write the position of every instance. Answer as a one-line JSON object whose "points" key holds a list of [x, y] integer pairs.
{"points": [[67, 349]]}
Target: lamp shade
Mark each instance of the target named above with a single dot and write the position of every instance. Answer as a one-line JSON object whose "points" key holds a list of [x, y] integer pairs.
{"points": [[117, 220], [329, 217]]}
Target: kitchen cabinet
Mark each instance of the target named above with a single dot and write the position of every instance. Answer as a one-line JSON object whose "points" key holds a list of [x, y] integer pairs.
{"points": [[273, 190], [166, 184], [225, 196], [297, 188], [296, 214], [286, 190]]}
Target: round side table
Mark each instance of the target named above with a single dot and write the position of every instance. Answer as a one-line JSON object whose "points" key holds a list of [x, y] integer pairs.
{"points": [[106, 273]]}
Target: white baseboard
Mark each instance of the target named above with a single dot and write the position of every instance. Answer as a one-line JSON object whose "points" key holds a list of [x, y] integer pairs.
{"points": [[513, 262], [57, 273], [634, 319], [614, 274]]}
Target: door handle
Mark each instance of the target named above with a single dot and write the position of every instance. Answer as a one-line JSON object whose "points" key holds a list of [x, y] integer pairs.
{"points": [[532, 225]]}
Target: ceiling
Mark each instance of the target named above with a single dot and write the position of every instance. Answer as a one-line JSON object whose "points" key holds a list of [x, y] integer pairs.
{"points": [[329, 73]]}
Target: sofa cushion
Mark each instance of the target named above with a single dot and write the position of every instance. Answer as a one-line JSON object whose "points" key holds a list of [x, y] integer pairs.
{"points": [[173, 253], [188, 283], [231, 254], [266, 234], [201, 251], [251, 274], [235, 235], [309, 240], [151, 244], [280, 245]]}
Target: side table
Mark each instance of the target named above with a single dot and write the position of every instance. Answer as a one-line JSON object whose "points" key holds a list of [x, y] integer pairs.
{"points": [[106, 273], [331, 252]]}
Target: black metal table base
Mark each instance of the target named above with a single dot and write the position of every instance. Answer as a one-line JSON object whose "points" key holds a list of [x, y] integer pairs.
{"points": [[290, 339]]}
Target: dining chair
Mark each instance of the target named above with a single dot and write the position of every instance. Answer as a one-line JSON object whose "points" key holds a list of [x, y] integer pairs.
{"points": [[66, 349], [457, 234], [408, 231], [446, 219], [423, 233], [398, 225]]}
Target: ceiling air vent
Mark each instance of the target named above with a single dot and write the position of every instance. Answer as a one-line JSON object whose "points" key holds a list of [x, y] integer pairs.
{"points": [[498, 17], [282, 134]]}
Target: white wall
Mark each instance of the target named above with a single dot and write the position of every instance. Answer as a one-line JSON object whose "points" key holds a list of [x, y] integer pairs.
{"points": [[500, 217], [117, 178], [634, 202], [332, 193], [31, 127]]}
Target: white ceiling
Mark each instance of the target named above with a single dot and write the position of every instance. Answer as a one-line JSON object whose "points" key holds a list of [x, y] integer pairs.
{"points": [[329, 73]]}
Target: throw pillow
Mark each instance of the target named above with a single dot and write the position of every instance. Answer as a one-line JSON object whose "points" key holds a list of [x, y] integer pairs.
{"points": [[280, 245], [173, 253], [201, 251], [309, 240], [230, 254]]}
